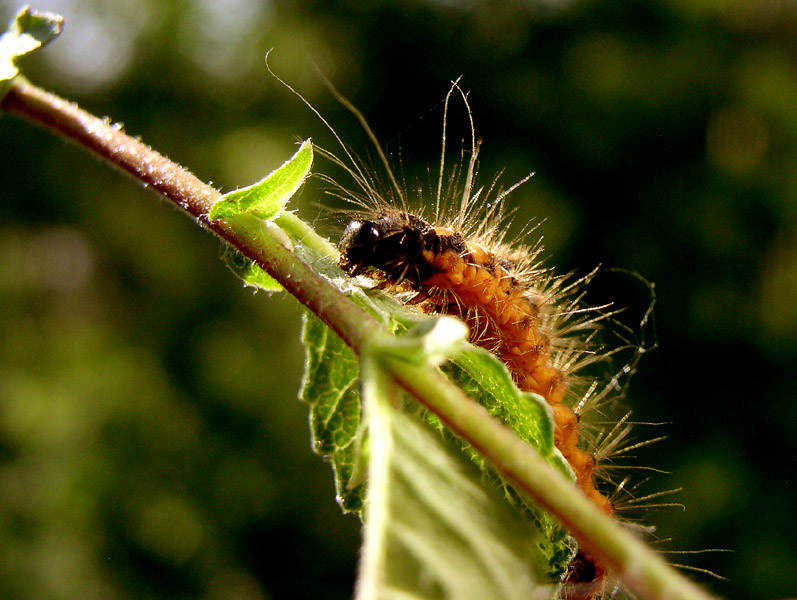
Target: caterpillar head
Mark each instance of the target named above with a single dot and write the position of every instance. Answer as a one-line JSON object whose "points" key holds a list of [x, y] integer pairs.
{"points": [[397, 245]]}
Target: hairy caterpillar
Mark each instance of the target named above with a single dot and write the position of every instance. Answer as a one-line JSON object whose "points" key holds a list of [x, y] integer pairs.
{"points": [[530, 318]]}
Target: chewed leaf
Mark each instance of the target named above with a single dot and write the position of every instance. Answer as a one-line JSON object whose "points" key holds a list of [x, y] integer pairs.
{"points": [[267, 198], [434, 529], [28, 31]]}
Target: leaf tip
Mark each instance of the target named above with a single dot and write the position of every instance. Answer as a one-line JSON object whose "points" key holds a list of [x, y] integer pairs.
{"points": [[29, 30]]}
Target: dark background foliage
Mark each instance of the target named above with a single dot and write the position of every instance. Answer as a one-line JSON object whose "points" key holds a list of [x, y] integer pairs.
{"points": [[151, 442]]}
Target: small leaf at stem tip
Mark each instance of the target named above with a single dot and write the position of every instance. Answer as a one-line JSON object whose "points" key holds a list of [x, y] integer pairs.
{"points": [[28, 31], [267, 198]]}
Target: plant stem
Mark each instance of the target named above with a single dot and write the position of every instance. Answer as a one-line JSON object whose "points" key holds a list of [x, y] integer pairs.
{"points": [[641, 569], [195, 197], [112, 144]]}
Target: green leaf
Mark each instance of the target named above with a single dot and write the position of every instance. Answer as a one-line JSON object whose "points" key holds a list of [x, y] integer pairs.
{"points": [[331, 387], [252, 275], [434, 527], [28, 31], [486, 379], [267, 198]]}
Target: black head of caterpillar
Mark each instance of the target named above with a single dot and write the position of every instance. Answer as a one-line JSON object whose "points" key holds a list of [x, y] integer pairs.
{"points": [[400, 245]]}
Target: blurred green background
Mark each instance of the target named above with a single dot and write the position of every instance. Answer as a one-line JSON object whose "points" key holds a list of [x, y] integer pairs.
{"points": [[151, 442]]}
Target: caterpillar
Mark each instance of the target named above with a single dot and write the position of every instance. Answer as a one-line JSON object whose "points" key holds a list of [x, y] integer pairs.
{"points": [[511, 304], [501, 298], [456, 262]]}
